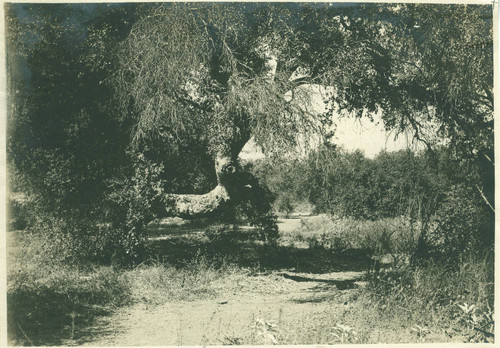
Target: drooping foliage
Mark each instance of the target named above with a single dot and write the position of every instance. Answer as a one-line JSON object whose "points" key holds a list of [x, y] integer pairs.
{"points": [[103, 96], [218, 82]]}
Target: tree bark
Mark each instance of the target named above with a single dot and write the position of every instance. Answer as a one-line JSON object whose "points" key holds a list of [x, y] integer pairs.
{"points": [[199, 205], [192, 205], [196, 205]]}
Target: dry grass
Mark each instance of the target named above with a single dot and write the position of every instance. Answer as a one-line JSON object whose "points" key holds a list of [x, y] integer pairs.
{"points": [[389, 235], [51, 304], [158, 283]]}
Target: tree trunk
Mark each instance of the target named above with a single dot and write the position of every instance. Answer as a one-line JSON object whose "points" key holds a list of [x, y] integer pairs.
{"points": [[198, 205], [192, 205]]}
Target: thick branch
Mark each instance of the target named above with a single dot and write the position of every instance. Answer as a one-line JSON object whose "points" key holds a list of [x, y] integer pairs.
{"points": [[485, 199], [192, 205], [197, 205]]}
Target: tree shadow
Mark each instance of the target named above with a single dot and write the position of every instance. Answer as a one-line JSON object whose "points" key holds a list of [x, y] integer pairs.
{"points": [[242, 248], [49, 318], [339, 284]]}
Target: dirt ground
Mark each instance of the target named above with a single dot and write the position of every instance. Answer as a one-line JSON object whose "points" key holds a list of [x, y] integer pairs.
{"points": [[267, 309], [293, 295], [279, 307]]}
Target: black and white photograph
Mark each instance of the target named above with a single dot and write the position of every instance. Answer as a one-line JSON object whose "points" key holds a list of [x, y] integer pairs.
{"points": [[249, 173]]}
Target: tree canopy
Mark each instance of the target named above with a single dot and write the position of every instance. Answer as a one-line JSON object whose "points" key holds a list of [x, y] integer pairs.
{"points": [[99, 93]]}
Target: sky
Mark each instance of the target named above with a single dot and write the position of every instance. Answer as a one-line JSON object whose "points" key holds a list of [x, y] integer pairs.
{"points": [[351, 133], [370, 137]]}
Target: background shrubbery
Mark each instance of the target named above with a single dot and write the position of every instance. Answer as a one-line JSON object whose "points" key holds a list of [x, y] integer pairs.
{"points": [[437, 195], [383, 236]]}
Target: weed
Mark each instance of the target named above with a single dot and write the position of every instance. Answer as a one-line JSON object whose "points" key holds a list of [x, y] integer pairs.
{"points": [[267, 331], [479, 324], [231, 340], [421, 332], [344, 334]]}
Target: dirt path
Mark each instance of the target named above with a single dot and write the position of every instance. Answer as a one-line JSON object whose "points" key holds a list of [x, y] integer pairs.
{"points": [[292, 302], [279, 307]]}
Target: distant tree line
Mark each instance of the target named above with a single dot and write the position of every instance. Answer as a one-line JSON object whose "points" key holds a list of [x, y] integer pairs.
{"points": [[431, 187]]}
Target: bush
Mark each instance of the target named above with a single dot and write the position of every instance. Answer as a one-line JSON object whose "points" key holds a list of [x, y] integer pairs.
{"points": [[253, 202], [131, 205], [111, 230], [70, 239], [267, 228], [284, 177], [464, 225]]}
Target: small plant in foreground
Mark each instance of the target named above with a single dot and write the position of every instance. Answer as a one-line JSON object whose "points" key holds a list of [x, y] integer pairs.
{"points": [[268, 330], [468, 311], [344, 334], [231, 340], [421, 332], [479, 325]]}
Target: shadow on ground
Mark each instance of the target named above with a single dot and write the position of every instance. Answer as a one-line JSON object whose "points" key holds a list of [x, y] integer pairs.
{"points": [[339, 284], [179, 246], [45, 316], [48, 319]]}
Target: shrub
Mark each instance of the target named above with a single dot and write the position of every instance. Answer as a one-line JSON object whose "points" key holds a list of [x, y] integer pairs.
{"points": [[253, 202], [284, 177], [267, 228], [111, 230], [70, 239], [463, 225], [131, 205]]}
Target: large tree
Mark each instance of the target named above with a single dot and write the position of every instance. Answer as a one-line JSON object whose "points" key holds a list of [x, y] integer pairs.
{"points": [[442, 81], [193, 83], [221, 72], [230, 72]]}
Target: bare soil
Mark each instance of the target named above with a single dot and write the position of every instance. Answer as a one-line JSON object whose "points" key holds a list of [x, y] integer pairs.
{"points": [[283, 304], [292, 302]]}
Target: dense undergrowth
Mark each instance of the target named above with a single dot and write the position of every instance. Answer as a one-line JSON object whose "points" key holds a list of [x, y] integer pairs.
{"points": [[451, 294], [50, 304], [436, 299]]}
